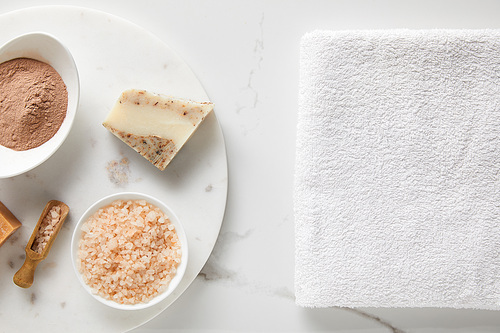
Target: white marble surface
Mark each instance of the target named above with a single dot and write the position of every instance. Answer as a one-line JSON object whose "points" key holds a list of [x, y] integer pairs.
{"points": [[245, 54]]}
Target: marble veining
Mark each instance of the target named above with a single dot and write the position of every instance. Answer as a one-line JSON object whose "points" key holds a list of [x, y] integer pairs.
{"points": [[258, 51], [217, 271], [250, 88], [375, 318], [32, 176], [15, 237]]}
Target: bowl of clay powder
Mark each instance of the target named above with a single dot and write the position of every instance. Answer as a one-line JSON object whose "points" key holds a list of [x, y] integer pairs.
{"points": [[39, 93]]}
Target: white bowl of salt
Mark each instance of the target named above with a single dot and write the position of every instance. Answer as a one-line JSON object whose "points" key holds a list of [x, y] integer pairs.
{"points": [[39, 93]]}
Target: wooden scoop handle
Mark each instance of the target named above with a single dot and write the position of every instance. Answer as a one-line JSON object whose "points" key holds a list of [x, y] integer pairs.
{"points": [[26, 274]]}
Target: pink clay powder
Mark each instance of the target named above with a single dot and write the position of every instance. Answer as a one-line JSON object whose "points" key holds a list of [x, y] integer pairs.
{"points": [[33, 103]]}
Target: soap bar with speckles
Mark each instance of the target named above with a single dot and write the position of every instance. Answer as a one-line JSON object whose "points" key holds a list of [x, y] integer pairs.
{"points": [[156, 126], [8, 223]]}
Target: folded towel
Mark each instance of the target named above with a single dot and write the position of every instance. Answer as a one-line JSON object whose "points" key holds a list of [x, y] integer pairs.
{"points": [[397, 192]]}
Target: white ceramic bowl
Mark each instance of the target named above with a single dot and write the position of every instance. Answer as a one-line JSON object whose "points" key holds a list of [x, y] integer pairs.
{"points": [[46, 48], [77, 235]]}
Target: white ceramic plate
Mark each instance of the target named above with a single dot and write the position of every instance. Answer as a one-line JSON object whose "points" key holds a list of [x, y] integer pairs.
{"points": [[46, 48], [77, 236]]}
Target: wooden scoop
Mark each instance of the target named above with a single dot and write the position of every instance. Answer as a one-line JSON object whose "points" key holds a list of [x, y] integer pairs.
{"points": [[25, 275]]}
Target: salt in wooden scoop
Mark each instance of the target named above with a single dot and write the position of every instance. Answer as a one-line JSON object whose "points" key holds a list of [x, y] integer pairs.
{"points": [[38, 247]]}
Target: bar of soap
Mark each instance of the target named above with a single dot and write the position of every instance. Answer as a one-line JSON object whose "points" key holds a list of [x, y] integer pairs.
{"points": [[155, 126], [8, 223]]}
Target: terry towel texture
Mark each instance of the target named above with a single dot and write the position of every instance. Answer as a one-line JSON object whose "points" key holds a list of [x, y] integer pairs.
{"points": [[397, 193]]}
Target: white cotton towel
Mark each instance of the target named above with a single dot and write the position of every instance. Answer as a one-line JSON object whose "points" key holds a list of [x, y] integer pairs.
{"points": [[397, 193]]}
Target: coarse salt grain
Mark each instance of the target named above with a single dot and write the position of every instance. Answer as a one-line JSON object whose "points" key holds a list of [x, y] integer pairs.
{"points": [[121, 251], [46, 229]]}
